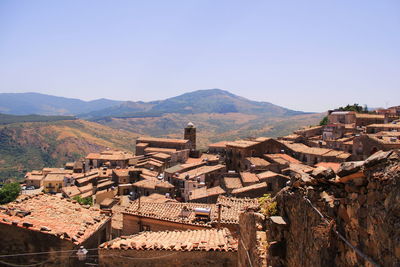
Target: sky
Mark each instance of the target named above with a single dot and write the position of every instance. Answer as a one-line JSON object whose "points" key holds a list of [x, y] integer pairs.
{"points": [[304, 55]]}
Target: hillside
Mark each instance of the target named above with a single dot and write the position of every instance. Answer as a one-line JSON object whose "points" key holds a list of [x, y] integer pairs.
{"points": [[201, 101], [218, 115], [34, 145], [35, 103]]}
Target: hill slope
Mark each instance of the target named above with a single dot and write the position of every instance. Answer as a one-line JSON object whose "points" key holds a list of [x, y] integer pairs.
{"points": [[201, 101], [34, 145], [35, 103]]}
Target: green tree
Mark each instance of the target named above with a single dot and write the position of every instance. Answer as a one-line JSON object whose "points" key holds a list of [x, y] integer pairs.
{"points": [[324, 121], [9, 192], [84, 200]]}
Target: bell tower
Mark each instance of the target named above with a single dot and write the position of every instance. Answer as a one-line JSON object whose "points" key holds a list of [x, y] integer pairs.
{"points": [[190, 134]]}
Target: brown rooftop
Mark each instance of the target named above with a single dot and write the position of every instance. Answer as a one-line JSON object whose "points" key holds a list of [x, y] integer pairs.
{"points": [[162, 140], [152, 184], [248, 177], [250, 188], [53, 215], [200, 171], [221, 144], [232, 182], [257, 161], [191, 240], [242, 144]]}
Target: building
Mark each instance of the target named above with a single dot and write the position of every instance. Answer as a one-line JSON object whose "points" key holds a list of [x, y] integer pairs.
{"points": [[53, 182], [108, 158], [341, 117], [388, 127], [367, 144], [206, 195], [34, 178], [208, 247], [364, 119], [190, 134], [238, 150], [145, 216], [45, 222]]}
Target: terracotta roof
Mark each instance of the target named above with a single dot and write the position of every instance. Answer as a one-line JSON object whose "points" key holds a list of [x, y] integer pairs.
{"points": [[121, 172], [257, 161], [110, 155], [34, 177], [203, 158], [200, 171], [250, 188], [53, 215], [241, 144], [152, 184], [248, 177], [157, 198], [232, 182], [369, 116], [285, 157], [221, 144], [71, 191], [266, 175], [386, 125], [162, 140], [204, 192], [301, 148], [105, 184], [142, 145], [191, 240], [159, 149], [184, 212], [54, 177], [333, 165]]}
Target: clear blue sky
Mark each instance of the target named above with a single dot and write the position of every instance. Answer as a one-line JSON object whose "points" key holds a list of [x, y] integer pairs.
{"points": [[305, 55]]}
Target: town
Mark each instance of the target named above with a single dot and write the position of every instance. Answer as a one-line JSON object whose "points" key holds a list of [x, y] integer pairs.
{"points": [[172, 204]]}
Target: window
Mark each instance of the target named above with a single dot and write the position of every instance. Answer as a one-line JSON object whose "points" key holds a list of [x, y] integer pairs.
{"points": [[145, 228]]}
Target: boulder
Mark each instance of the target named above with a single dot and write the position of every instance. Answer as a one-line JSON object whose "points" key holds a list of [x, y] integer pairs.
{"points": [[376, 158], [323, 173], [347, 168]]}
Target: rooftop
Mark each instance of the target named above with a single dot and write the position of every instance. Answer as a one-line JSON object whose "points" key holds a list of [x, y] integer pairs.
{"points": [[248, 177], [53, 215], [204, 192], [191, 240], [285, 157], [257, 161], [152, 184], [110, 155], [221, 144], [232, 182], [162, 140], [200, 171], [242, 143], [250, 188]]}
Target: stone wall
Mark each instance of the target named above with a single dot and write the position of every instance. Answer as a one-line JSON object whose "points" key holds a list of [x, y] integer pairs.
{"points": [[158, 258], [362, 204]]}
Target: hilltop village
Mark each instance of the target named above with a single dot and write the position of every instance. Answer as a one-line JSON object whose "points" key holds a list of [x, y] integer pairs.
{"points": [[170, 204]]}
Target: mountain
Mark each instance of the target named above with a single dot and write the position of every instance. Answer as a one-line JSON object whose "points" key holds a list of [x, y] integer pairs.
{"points": [[218, 115], [33, 145], [35, 103], [201, 101]]}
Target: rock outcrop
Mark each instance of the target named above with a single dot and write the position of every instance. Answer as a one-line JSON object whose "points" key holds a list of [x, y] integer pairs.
{"points": [[350, 220]]}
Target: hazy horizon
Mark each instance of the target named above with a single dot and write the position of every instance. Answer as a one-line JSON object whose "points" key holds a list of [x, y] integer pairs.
{"points": [[309, 56]]}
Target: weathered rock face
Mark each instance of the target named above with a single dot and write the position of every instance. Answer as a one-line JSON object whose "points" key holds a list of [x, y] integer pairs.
{"points": [[363, 206]]}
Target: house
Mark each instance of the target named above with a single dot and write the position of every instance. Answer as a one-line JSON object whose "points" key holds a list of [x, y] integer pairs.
{"points": [[275, 181], [388, 127], [108, 158], [238, 150], [206, 247], [341, 117], [363, 119], [34, 178], [45, 222], [53, 183], [367, 144], [218, 148], [249, 178], [147, 187], [147, 216], [255, 164], [206, 195]]}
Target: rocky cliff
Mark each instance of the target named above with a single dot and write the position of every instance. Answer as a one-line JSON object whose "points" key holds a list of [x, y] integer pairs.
{"points": [[351, 218]]}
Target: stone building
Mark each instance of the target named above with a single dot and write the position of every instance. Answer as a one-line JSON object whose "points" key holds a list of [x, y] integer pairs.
{"points": [[190, 134], [44, 222], [389, 127], [109, 158], [238, 150], [363, 119], [208, 247], [368, 144], [145, 216], [34, 178]]}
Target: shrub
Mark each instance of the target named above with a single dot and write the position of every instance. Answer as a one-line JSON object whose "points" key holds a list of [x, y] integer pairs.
{"points": [[268, 207], [84, 201], [9, 192]]}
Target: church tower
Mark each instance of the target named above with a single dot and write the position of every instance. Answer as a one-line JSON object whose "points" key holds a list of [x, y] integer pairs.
{"points": [[190, 134]]}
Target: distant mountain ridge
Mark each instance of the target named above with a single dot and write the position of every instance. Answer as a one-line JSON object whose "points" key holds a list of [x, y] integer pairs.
{"points": [[42, 104], [200, 101]]}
